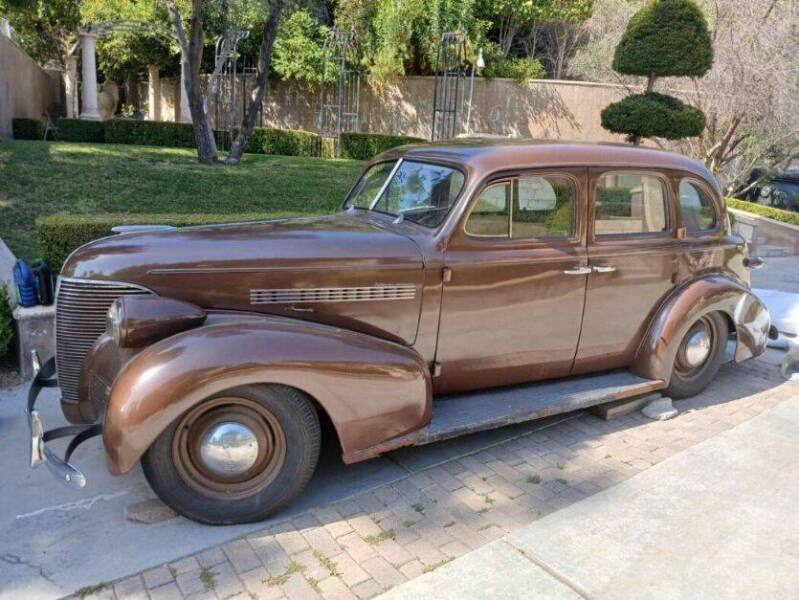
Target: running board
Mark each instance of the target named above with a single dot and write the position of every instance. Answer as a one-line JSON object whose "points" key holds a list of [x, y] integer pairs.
{"points": [[461, 414]]}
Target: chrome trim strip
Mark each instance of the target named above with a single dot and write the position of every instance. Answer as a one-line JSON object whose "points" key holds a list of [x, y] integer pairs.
{"points": [[385, 184], [169, 271], [102, 282]]}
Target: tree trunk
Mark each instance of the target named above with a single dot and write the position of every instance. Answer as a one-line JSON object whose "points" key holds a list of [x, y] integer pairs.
{"points": [[191, 52], [261, 81]]}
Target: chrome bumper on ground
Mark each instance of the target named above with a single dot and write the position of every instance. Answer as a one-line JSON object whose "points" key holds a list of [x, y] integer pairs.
{"points": [[44, 376]]}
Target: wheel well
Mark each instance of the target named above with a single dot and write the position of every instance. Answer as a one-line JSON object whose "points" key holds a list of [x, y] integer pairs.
{"points": [[326, 426], [730, 328]]}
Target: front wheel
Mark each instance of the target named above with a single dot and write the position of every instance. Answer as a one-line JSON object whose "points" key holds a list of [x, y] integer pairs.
{"points": [[699, 356], [236, 457]]}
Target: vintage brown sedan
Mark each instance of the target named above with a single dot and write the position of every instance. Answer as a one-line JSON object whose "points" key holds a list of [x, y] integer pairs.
{"points": [[211, 354]]}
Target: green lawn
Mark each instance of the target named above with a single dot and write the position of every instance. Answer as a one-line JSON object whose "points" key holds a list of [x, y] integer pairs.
{"points": [[38, 178]]}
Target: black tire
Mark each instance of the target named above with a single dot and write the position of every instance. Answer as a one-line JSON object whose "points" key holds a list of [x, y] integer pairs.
{"points": [[291, 419], [687, 382]]}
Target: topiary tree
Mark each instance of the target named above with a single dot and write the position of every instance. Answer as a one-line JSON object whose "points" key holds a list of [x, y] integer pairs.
{"points": [[666, 38]]}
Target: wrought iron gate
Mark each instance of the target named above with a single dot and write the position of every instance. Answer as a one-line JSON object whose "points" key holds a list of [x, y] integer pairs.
{"points": [[340, 89], [236, 79], [448, 88]]}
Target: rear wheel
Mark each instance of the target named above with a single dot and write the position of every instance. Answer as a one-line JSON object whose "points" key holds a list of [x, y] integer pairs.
{"points": [[236, 457], [699, 356]]}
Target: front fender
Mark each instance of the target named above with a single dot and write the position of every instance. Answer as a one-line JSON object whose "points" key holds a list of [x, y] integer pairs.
{"points": [[658, 349], [372, 389]]}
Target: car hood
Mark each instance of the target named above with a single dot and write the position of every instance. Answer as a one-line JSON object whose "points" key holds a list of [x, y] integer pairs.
{"points": [[331, 241], [344, 269]]}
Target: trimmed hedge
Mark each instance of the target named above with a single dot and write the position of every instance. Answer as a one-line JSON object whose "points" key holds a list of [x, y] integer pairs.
{"points": [[363, 146], [149, 133], [59, 235], [27, 129], [80, 130], [785, 216], [288, 142]]}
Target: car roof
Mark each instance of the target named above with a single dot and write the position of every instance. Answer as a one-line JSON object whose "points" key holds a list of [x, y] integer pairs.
{"points": [[487, 155]]}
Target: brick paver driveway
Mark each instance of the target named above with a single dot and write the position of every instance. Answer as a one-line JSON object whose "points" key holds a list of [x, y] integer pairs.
{"points": [[358, 547]]}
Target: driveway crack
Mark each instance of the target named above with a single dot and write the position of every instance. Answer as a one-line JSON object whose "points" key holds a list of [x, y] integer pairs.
{"points": [[13, 559], [549, 570]]}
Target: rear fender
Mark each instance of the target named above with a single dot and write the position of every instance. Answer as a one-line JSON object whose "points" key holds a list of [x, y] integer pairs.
{"points": [[372, 390], [658, 349]]}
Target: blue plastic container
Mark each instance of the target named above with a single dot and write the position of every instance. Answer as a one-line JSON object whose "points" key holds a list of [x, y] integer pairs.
{"points": [[26, 284]]}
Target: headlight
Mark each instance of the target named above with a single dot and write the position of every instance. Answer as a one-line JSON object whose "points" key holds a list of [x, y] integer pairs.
{"points": [[113, 321]]}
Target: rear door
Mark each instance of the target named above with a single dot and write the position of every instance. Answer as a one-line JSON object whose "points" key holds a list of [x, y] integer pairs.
{"points": [[516, 270], [633, 253]]}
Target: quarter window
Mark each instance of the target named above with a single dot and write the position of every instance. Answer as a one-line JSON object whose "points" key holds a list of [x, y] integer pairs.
{"points": [[696, 207], [528, 207], [629, 204]]}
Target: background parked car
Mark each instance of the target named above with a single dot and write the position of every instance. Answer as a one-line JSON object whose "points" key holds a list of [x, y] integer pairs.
{"points": [[781, 190]]}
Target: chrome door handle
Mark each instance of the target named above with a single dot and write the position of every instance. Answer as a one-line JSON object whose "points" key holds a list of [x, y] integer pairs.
{"points": [[603, 269], [578, 271]]}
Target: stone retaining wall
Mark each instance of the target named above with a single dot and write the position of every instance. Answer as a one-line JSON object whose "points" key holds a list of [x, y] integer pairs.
{"points": [[26, 90]]}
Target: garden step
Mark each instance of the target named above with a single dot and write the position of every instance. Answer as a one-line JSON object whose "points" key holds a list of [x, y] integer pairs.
{"points": [[460, 414]]}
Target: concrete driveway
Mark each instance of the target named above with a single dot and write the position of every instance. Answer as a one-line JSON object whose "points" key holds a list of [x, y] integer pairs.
{"points": [[55, 540]]}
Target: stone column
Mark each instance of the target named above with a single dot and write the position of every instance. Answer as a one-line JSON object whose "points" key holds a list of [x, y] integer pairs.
{"points": [[185, 110], [71, 87], [89, 78], [153, 93]]}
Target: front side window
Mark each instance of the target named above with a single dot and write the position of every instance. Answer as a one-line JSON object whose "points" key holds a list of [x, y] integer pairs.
{"points": [[696, 207], [419, 192], [489, 216], [544, 207], [629, 204], [528, 207]]}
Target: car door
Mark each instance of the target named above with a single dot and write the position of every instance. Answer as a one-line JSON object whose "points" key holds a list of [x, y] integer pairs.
{"points": [[515, 279], [633, 254]]}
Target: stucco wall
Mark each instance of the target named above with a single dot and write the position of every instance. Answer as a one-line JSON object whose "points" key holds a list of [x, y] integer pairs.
{"points": [[26, 90], [542, 109]]}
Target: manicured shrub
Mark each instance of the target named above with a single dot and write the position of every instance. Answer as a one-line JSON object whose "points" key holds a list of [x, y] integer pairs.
{"points": [[59, 235], [27, 129], [363, 146], [665, 38], [653, 115], [80, 130], [327, 147], [6, 321], [287, 142], [522, 70], [149, 133], [785, 216]]}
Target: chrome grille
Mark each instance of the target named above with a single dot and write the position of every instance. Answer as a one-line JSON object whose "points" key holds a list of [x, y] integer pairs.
{"points": [[403, 291], [81, 306]]}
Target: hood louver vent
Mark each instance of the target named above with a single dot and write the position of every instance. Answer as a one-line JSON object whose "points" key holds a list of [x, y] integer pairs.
{"points": [[405, 291]]}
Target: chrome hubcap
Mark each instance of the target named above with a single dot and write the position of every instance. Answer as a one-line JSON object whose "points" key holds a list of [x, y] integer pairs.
{"points": [[229, 448], [697, 348]]}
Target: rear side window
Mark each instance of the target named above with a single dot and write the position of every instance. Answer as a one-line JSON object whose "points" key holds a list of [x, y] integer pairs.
{"points": [[698, 212], [629, 204]]}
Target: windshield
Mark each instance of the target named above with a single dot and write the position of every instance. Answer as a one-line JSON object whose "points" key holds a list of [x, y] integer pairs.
{"points": [[420, 192]]}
